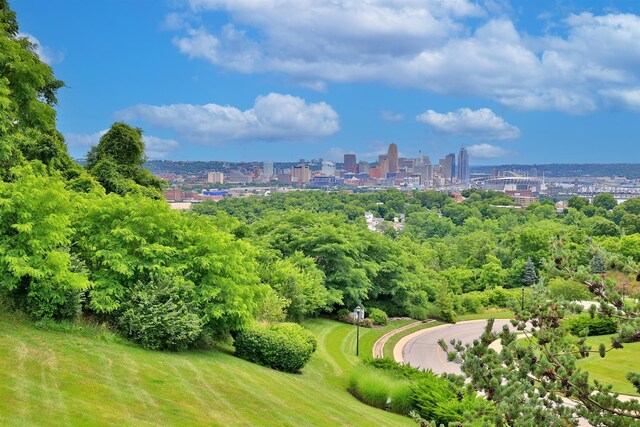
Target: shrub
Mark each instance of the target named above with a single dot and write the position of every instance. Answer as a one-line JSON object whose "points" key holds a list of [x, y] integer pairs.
{"points": [[367, 323], [343, 315], [374, 386], [568, 290], [596, 325], [419, 312], [283, 346], [161, 315], [378, 317], [471, 303]]}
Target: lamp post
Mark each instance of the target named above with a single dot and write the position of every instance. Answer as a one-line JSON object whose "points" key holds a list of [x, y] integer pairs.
{"points": [[522, 303], [358, 311]]}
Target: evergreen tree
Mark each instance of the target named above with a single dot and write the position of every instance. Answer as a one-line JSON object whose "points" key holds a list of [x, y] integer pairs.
{"points": [[529, 276], [597, 265]]}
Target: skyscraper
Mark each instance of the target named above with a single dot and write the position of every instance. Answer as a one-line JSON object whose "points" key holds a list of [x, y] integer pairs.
{"points": [[267, 168], [448, 167], [350, 164], [392, 158], [463, 166]]}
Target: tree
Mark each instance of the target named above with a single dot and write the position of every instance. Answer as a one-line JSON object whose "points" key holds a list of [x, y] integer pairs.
{"points": [[577, 202], [599, 226], [630, 223], [529, 276], [28, 94], [36, 266], [597, 265], [532, 382], [605, 201], [117, 162]]}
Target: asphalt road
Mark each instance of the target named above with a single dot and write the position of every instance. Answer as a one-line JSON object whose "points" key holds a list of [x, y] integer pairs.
{"points": [[423, 351]]}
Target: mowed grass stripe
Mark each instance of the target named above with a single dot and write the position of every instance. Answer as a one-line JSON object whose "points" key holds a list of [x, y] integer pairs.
{"points": [[49, 377]]}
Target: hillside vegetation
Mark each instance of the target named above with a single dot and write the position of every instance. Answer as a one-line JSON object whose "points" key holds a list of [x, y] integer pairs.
{"points": [[89, 376]]}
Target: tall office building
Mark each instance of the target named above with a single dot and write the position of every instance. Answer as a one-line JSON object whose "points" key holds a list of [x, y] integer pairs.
{"points": [[350, 164], [267, 168], [463, 166], [392, 158], [448, 167], [383, 164], [301, 173]]}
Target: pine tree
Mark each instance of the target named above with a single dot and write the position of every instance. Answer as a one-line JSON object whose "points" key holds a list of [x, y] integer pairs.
{"points": [[529, 276], [597, 265]]}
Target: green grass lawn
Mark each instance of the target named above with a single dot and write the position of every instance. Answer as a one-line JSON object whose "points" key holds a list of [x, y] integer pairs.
{"points": [[368, 340], [614, 367], [85, 378]]}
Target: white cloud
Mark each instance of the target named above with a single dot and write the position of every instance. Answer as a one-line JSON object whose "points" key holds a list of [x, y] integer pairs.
{"points": [[155, 148], [46, 54], [273, 117], [390, 116], [427, 44], [478, 124], [623, 98], [487, 151]]}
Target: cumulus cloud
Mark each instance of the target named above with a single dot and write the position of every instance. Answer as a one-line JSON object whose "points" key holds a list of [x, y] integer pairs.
{"points": [[155, 148], [478, 124], [623, 98], [272, 117], [443, 46], [390, 116], [46, 54], [487, 151]]}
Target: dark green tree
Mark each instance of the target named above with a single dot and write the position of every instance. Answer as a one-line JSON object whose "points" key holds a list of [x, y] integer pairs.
{"points": [[117, 163], [529, 275], [597, 265], [578, 202], [605, 201]]}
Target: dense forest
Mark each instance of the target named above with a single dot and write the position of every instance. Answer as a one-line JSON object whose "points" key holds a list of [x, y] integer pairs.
{"points": [[99, 242]]}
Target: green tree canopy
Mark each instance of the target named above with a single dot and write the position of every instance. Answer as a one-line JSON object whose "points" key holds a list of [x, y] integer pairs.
{"points": [[117, 161]]}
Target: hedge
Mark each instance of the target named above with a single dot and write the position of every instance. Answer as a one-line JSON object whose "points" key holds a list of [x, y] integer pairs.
{"points": [[283, 346]]}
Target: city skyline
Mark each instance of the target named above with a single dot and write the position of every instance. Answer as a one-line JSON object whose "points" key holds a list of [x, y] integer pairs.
{"points": [[243, 81]]}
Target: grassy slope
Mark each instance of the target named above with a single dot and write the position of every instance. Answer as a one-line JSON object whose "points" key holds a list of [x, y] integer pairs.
{"points": [[613, 368], [80, 379]]}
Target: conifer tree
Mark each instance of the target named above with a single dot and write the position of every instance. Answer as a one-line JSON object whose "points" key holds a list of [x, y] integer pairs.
{"points": [[597, 265], [529, 276]]}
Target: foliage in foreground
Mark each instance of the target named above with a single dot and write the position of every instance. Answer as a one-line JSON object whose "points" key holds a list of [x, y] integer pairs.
{"points": [[531, 382], [383, 383], [283, 346]]}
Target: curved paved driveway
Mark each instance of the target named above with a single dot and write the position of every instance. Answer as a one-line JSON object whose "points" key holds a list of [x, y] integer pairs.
{"points": [[421, 350]]}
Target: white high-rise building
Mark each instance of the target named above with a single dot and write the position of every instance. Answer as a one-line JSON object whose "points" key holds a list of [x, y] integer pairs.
{"points": [[267, 168], [463, 166]]}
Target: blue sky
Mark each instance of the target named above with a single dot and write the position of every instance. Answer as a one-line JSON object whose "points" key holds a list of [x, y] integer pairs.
{"points": [[247, 80]]}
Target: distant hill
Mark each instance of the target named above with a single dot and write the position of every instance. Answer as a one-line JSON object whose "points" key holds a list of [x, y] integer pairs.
{"points": [[627, 170]]}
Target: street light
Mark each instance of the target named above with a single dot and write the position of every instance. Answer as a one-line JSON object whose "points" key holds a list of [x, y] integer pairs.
{"points": [[522, 304], [358, 311]]}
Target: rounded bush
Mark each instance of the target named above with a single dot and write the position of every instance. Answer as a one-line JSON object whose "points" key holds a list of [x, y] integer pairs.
{"points": [[160, 315], [596, 325], [378, 317], [283, 346]]}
